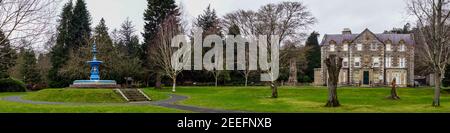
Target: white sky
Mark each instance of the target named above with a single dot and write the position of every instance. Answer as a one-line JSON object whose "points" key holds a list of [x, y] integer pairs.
{"points": [[332, 15]]}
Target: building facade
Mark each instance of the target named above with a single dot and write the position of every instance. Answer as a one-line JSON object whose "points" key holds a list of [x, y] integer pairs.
{"points": [[369, 59]]}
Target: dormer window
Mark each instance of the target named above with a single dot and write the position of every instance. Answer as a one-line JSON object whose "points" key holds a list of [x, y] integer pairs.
{"points": [[388, 47], [332, 47], [359, 47], [345, 47], [402, 47]]}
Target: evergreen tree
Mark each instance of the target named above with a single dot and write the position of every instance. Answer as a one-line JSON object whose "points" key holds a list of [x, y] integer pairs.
{"points": [[313, 56], [7, 56], [128, 39], [234, 30], [29, 70], [59, 53], [405, 30], [107, 53], [80, 22], [209, 22], [154, 15]]}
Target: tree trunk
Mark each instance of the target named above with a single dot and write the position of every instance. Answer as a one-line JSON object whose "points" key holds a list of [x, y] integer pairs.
{"points": [[158, 81], [332, 96], [334, 65], [174, 83], [274, 88], [216, 81], [394, 95], [437, 89], [246, 81]]}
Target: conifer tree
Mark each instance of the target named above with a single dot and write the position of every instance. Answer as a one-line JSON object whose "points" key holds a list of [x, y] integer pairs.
{"points": [[313, 56], [29, 70], [59, 53], [81, 22], [154, 15], [7, 60]]}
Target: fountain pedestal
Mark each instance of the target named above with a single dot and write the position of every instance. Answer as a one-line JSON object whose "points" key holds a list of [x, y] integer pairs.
{"points": [[94, 81]]}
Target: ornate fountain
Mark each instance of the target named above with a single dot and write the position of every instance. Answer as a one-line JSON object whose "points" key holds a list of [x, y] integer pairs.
{"points": [[94, 79]]}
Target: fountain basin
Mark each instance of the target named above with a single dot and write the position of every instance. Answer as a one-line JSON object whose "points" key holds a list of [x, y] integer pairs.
{"points": [[94, 84]]}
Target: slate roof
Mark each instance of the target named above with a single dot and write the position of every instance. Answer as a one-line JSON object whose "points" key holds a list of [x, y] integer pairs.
{"points": [[395, 38]]}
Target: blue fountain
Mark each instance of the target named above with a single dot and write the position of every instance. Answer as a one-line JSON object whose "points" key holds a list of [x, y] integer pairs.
{"points": [[94, 79]]}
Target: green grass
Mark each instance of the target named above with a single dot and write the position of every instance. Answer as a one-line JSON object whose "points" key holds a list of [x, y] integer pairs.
{"points": [[312, 99], [13, 107], [76, 95], [251, 99], [157, 95]]}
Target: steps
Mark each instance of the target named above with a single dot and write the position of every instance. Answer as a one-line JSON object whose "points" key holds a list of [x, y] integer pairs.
{"points": [[133, 95]]}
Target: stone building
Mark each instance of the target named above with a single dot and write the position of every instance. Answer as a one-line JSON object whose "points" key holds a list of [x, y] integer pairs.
{"points": [[369, 59]]}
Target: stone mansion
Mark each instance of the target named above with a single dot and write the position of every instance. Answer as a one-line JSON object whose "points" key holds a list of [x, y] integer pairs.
{"points": [[369, 59]]}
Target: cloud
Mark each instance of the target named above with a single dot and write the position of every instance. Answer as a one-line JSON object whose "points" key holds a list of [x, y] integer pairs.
{"points": [[333, 15]]}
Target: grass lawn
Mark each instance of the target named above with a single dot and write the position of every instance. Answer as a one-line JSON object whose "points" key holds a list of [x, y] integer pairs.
{"points": [[311, 99], [13, 107], [252, 99], [76, 95]]}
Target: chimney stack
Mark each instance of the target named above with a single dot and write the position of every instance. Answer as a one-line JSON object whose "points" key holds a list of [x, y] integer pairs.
{"points": [[346, 31]]}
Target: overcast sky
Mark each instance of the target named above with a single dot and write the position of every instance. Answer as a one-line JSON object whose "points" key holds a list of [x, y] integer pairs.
{"points": [[332, 15]]}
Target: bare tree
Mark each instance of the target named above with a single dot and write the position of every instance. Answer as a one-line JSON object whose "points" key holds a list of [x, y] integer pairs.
{"points": [[394, 95], [286, 20], [164, 48], [29, 20], [245, 21], [334, 65], [434, 32]]}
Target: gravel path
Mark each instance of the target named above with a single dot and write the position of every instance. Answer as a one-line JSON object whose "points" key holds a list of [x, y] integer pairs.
{"points": [[168, 103]]}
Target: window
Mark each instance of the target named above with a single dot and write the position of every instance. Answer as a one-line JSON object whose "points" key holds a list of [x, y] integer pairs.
{"points": [[402, 48], [332, 47], [373, 47], [375, 62], [402, 63], [345, 62], [388, 47], [388, 62], [357, 62], [345, 47], [359, 47]]}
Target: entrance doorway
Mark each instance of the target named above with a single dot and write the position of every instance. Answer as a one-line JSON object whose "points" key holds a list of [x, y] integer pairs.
{"points": [[366, 77]]}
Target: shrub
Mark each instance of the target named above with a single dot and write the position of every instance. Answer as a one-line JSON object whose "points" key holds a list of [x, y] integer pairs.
{"points": [[11, 85]]}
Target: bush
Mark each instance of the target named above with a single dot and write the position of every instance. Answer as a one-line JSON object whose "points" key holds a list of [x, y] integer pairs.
{"points": [[11, 85]]}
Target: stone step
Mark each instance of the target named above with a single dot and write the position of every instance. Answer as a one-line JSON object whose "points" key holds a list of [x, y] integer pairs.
{"points": [[133, 95]]}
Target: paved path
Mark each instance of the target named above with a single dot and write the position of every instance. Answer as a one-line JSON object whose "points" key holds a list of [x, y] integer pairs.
{"points": [[168, 103]]}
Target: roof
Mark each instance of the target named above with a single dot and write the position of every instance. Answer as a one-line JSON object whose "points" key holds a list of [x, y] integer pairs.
{"points": [[340, 38]]}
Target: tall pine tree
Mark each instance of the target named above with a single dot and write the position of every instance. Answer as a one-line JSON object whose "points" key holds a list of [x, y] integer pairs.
{"points": [[7, 56], [81, 22], [29, 70], [128, 39], [59, 52], [209, 22], [313, 56], [107, 53], [154, 15]]}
